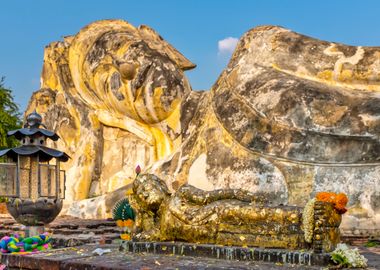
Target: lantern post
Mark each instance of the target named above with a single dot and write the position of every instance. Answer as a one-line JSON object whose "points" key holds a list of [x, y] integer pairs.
{"points": [[31, 179]]}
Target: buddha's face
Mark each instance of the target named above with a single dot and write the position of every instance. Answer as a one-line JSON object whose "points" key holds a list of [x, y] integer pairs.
{"points": [[127, 72], [150, 191]]}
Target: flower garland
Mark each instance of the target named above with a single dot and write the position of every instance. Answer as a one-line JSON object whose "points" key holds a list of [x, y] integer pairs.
{"points": [[18, 245], [308, 220], [339, 202]]}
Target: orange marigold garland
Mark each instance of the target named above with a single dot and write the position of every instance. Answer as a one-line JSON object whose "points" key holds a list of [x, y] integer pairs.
{"points": [[128, 223], [338, 200], [325, 197]]}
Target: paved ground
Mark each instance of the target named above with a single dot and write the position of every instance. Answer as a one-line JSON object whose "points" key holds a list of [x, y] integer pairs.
{"points": [[373, 256], [82, 257], [70, 232]]}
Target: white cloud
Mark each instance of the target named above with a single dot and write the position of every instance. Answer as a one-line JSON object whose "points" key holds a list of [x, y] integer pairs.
{"points": [[227, 45]]}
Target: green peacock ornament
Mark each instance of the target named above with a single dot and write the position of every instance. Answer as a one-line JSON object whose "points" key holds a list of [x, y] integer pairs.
{"points": [[124, 216], [123, 210]]}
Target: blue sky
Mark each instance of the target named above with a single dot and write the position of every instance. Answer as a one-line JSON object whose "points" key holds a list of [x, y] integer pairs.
{"points": [[193, 27]]}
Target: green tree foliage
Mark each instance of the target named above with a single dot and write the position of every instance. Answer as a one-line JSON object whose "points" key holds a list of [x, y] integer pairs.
{"points": [[9, 116]]}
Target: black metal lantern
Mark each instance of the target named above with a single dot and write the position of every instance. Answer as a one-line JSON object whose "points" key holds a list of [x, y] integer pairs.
{"points": [[32, 179]]}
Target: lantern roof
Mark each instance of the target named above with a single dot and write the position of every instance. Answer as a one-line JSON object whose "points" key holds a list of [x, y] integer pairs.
{"points": [[32, 127], [44, 153], [22, 132]]}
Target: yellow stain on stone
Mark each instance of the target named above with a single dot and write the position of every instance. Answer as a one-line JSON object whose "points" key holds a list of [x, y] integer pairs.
{"points": [[162, 143], [160, 112], [326, 75], [345, 75], [116, 182], [94, 120], [82, 184], [49, 70], [74, 137], [129, 191], [360, 81]]}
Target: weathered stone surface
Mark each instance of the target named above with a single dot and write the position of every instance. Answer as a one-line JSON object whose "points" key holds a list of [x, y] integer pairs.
{"points": [[112, 92], [273, 123], [289, 116]]}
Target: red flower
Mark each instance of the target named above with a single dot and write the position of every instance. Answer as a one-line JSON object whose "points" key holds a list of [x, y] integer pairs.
{"points": [[138, 169]]}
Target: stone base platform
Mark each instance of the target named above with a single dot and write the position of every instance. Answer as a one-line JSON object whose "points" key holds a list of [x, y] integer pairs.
{"points": [[83, 258], [279, 256]]}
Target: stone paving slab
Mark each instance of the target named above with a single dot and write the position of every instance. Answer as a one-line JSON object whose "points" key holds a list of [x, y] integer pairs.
{"points": [[82, 258], [373, 256]]}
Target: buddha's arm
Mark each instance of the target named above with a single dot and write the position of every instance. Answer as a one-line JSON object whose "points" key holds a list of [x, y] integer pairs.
{"points": [[201, 197]]}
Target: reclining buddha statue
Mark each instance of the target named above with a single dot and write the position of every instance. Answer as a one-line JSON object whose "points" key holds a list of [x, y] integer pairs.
{"points": [[228, 217], [288, 117]]}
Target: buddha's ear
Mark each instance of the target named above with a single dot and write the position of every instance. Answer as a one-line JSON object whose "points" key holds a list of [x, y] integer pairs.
{"points": [[157, 42]]}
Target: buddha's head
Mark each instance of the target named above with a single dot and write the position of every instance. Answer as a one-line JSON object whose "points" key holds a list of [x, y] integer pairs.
{"points": [[150, 191], [128, 71]]}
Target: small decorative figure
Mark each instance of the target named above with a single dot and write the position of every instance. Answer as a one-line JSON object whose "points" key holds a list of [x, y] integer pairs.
{"points": [[124, 216], [226, 217]]}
